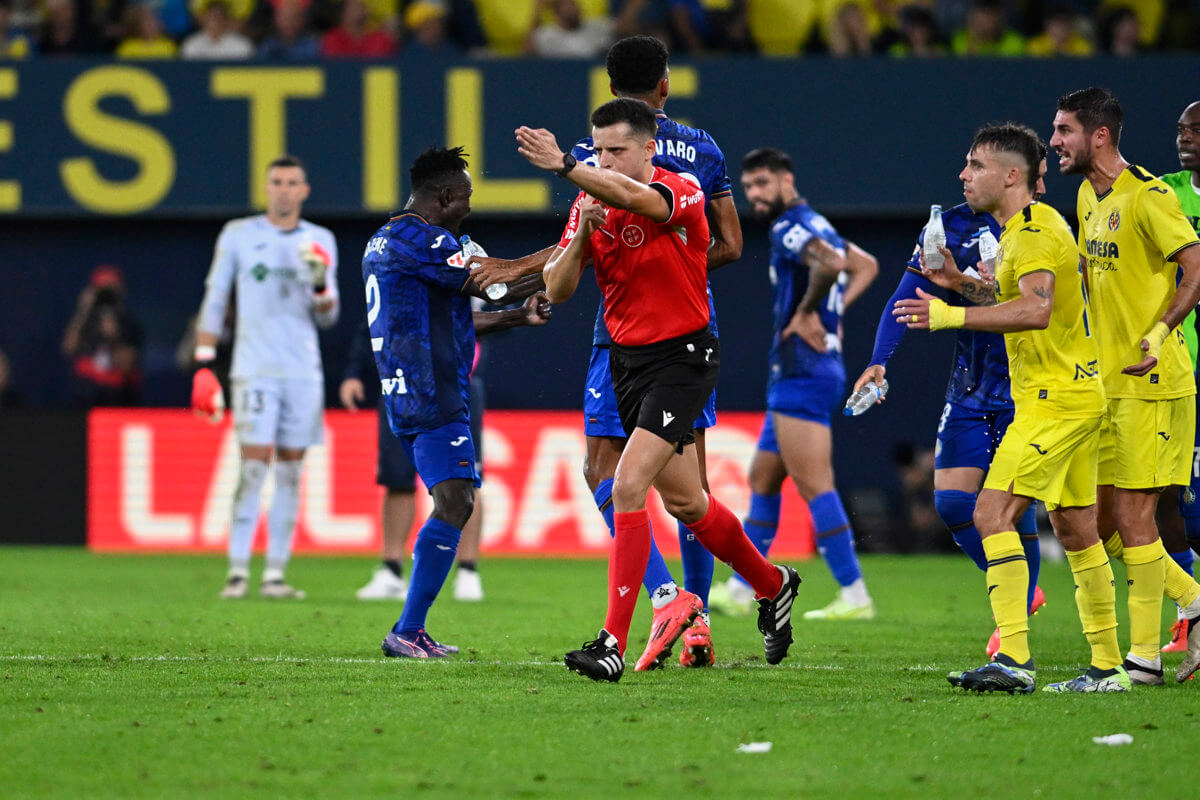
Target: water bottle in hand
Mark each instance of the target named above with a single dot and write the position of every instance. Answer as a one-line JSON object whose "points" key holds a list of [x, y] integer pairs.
{"points": [[862, 400], [472, 249], [935, 237], [989, 248]]}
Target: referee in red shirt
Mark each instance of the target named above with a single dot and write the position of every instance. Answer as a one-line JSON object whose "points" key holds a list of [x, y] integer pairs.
{"points": [[644, 230]]}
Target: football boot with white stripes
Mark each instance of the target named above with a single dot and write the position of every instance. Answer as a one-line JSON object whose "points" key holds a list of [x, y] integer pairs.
{"points": [[775, 617], [599, 659]]}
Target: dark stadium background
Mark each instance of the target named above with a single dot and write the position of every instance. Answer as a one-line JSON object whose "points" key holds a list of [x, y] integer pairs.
{"points": [[875, 142]]}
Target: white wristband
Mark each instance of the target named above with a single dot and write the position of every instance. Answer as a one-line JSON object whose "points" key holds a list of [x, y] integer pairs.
{"points": [[204, 353]]}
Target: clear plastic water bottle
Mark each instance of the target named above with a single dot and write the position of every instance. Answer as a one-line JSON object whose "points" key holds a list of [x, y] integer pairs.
{"points": [[935, 237], [472, 249], [862, 400], [989, 248]]}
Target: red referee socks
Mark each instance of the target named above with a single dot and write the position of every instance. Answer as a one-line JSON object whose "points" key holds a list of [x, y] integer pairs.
{"points": [[721, 534], [626, 566]]}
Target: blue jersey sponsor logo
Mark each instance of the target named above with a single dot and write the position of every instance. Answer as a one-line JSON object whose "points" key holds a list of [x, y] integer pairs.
{"points": [[420, 323]]}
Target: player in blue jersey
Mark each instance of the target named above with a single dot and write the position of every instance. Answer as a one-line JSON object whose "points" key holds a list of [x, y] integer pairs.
{"points": [[422, 330], [814, 273], [978, 407], [638, 69]]}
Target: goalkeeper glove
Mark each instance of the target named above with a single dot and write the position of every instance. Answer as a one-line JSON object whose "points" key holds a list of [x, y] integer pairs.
{"points": [[318, 260], [207, 398]]}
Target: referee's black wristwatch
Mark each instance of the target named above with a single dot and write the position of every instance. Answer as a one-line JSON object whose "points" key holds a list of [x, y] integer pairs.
{"points": [[568, 165]]}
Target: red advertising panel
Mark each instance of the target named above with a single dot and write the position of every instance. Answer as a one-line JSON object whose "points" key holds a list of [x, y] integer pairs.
{"points": [[162, 480]]}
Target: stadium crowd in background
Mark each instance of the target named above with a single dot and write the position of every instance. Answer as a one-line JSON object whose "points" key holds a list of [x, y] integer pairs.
{"points": [[310, 29], [102, 344]]}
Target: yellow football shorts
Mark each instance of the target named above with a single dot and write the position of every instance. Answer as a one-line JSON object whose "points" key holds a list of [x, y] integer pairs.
{"points": [[1147, 444], [1048, 458]]}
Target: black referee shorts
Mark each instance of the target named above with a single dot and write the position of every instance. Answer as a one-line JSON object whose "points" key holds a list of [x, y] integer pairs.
{"points": [[662, 387]]}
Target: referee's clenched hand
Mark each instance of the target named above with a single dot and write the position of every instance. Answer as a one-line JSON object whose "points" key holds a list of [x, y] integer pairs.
{"points": [[539, 147]]}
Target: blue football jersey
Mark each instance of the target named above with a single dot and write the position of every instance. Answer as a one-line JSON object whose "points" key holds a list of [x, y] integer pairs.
{"points": [[684, 150], [980, 376], [420, 323], [790, 234]]}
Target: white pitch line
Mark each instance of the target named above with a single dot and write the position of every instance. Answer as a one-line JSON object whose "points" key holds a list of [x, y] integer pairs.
{"points": [[48, 659]]}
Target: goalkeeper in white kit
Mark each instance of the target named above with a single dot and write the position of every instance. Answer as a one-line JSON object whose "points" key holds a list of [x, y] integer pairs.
{"points": [[285, 270]]}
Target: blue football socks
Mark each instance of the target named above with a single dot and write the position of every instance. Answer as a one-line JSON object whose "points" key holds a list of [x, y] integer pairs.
{"points": [[1027, 530], [433, 556], [957, 510], [697, 565], [835, 538]]}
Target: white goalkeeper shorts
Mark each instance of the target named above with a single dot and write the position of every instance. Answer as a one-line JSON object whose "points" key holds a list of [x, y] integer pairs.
{"points": [[280, 412]]}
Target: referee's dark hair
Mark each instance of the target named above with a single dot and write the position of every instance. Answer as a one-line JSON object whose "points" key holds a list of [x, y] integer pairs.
{"points": [[640, 116], [436, 166], [1011, 137], [1095, 108], [768, 158], [287, 160], [636, 64]]}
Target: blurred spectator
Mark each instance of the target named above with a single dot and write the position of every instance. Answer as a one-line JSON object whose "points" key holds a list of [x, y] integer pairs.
{"points": [[1149, 13], [176, 18], [1121, 33], [568, 35], [987, 32], [781, 27], [144, 37], [354, 38], [63, 33], [699, 25], [290, 40], [217, 38], [925, 531], [916, 35], [102, 343], [10, 398], [849, 33], [1060, 35], [13, 46], [425, 23]]}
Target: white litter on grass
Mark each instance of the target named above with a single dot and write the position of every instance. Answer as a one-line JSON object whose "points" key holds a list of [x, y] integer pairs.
{"points": [[1114, 740], [754, 747]]}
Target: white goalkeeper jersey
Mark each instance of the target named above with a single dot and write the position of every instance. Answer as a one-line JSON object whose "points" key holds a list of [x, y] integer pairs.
{"points": [[276, 332]]}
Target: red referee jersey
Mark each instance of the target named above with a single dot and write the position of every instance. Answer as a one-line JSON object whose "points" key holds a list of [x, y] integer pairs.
{"points": [[653, 275]]}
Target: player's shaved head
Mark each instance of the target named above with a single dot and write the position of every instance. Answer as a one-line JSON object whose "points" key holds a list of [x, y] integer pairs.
{"points": [[438, 168], [636, 64], [1095, 108], [1015, 144], [286, 160], [1187, 137], [640, 117]]}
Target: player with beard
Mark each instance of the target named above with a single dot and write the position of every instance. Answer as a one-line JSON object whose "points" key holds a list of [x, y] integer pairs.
{"points": [[1134, 240], [814, 274]]}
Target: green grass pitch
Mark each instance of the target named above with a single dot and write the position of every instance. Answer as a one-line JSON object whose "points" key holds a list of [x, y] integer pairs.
{"points": [[125, 676]]}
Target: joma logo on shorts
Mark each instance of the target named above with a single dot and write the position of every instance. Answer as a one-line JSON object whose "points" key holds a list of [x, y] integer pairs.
{"points": [[1089, 371]]}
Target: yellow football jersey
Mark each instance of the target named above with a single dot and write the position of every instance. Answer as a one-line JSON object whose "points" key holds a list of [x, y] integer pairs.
{"points": [[1128, 238], [1053, 371]]}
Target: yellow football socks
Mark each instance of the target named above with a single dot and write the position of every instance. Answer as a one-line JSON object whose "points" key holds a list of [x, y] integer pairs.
{"points": [[1180, 587], [1096, 598], [1008, 585], [1147, 577], [1115, 547]]}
